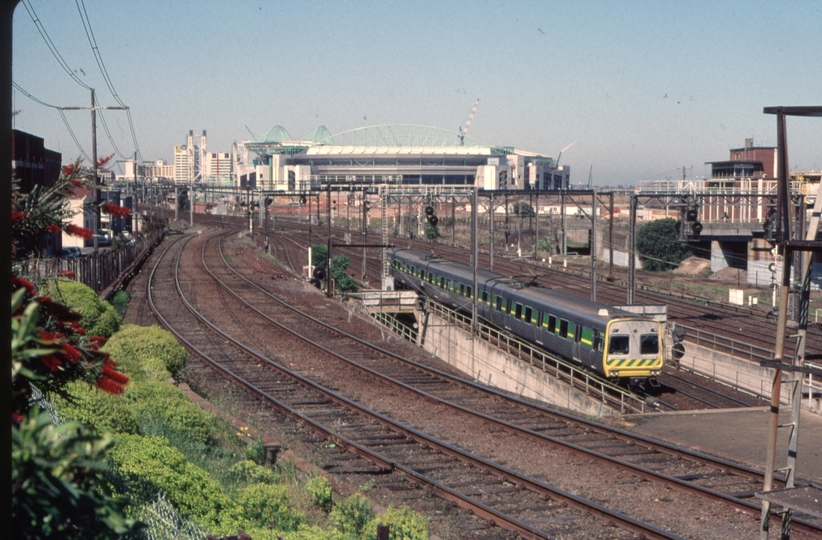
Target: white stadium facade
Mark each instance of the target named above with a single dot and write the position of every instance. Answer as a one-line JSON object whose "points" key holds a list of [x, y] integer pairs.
{"points": [[399, 154]]}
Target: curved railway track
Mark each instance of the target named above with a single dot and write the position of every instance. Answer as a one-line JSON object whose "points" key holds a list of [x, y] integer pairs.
{"points": [[686, 394], [642, 457]]}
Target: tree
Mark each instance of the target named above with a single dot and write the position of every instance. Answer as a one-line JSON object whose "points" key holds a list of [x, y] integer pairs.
{"points": [[339, 264], [58, 488], [523, 209], [659, 247]]}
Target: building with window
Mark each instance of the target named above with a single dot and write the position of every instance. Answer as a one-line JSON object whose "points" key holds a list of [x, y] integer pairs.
{"points": [[396, 154]]}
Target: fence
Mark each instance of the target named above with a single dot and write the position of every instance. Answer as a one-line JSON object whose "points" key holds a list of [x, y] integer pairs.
{"points": [[98, 270]]}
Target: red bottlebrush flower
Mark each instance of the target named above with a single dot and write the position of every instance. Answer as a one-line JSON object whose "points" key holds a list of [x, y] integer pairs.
{"points": [[114, 375], [68, 170], [81, 331], [116, 211], [51, 362], [82, 232], [97, 339], [16, 418], [112, 387], [45, 299], [21, 282], [61, 312], [17, 216], [110, 363], [93, 347], [68, 274], [70, 352], [52, 229], [76, 182], [103, 161]]}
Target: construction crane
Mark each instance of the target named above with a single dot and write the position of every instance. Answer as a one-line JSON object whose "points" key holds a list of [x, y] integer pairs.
{"points": [[464, 130], [563, 150]]}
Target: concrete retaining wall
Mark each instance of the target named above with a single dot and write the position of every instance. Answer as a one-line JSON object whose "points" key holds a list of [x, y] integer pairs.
{"points": [[748, 376], [488, 365]]}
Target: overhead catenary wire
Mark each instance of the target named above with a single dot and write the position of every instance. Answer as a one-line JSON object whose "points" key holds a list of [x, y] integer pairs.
{"points": [[60, 60], [62, 115], [81, 8], [41, 29]]}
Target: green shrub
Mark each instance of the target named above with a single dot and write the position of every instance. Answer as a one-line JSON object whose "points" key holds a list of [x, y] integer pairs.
{"points": [[120, 302], [92, 406], [404, 524], [351, 515], [58, 487], [160, 405], [659, 247], [267, 504], [99, 318], [146, 352], [154, 464], [306, 532], [255, 451], [248, 471], [320, 489]]}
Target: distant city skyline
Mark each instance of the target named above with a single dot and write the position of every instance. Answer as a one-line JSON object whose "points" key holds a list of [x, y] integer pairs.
{"points": [[644, 88]]}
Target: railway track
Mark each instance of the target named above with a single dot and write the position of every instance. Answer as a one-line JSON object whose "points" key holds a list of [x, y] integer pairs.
{"points": [[677, 394], [532, 507], [662, 463]]}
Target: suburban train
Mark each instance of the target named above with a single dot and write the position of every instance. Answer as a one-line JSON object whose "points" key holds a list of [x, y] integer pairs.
{"points": [[614, 343]]}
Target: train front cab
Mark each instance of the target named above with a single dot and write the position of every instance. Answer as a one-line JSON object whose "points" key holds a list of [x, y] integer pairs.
{"points": [[633, 349]]}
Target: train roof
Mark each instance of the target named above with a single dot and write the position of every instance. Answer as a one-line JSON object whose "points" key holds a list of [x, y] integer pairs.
{"points": [[533, 295]]}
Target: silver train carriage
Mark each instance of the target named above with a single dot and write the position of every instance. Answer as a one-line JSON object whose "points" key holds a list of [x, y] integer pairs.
{"points": [[612, 342]]}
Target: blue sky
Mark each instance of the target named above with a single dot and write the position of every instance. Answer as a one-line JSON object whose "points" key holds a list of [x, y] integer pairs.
{"points": [[645, 88]]}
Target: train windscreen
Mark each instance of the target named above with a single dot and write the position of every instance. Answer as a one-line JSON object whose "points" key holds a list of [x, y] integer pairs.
{"points": [[649, 344]]}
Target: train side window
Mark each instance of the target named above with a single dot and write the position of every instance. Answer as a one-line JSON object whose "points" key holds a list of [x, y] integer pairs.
{"points": [[469, 291], [484, 297], [462, 289], [529, 313], [619, 345], [518, 310], [449, 285], [563, 328], [577, 333], [597, 341], [552, 324]]}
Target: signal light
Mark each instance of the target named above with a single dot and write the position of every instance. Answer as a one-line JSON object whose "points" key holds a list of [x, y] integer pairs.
{"points": [[429, 210]]}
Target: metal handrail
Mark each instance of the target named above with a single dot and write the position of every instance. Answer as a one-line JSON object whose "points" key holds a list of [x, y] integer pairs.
{"points": [[572, 375], [715, 342]]}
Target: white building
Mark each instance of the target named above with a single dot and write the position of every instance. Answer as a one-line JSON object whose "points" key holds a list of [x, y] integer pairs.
{"points": [[397, 154]]}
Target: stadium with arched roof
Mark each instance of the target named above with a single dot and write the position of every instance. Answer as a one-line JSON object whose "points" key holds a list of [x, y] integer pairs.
{"points": [[404, 154]]}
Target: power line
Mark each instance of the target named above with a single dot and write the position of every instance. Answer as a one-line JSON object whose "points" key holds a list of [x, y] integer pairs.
{"points": [[63, 116], [51, 45], [81, 8], [60, 60]]}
